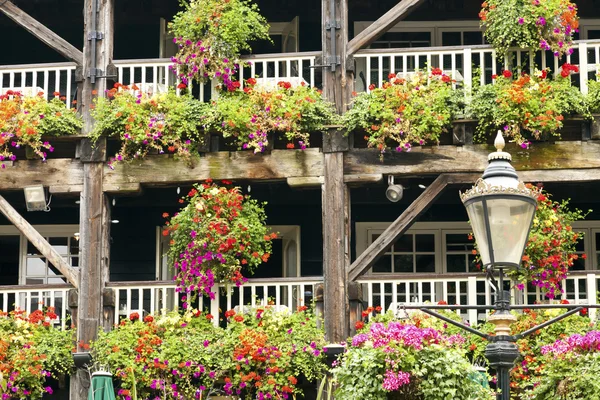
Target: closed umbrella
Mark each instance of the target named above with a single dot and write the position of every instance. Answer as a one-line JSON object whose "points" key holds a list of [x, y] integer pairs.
{"points": [[101, 387]]}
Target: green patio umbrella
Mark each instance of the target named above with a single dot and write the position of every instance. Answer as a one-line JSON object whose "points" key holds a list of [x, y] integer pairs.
{"points": [[101, 387]]}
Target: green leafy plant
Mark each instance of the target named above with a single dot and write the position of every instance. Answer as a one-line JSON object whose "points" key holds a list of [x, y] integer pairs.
{"points": [[401, 361], [213, 236], [535, 24], [31, 350], [593, 96], [164, 122], [403, 112], [25, 120], [262, 353], [211, 34], [249, 115], [526, 106]]}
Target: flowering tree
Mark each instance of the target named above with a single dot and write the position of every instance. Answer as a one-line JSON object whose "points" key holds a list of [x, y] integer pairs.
{"points": [[211, 34], [535, 24], [24, 120], [217, 233], [403, 112]]}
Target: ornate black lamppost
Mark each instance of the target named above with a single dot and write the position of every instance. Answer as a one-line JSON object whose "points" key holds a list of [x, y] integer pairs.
{"points": [[501, 210]]}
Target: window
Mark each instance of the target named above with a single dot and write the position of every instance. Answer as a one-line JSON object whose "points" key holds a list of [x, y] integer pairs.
{"points": [[445, 247], [38, 271]]}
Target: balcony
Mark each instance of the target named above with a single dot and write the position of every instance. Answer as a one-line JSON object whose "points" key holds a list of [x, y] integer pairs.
{"points": [[372, 67], [390, 292]]}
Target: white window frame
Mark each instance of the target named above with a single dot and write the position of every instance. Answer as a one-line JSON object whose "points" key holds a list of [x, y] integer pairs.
{"points": [[45, 231], [363, 230]]}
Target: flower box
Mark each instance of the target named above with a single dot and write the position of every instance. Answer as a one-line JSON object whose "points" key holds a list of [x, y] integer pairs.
{"points": [[463, 131]]}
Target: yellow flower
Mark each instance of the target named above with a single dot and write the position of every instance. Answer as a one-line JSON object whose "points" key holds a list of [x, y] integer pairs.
{"points": [[536, 221], [548, 222]]}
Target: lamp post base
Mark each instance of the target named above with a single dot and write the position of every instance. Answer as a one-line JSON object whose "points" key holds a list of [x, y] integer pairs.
{"points": [[502, 355]]}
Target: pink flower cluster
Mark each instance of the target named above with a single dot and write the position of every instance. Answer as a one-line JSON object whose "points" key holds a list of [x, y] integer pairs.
{"points": [[394, 380], [574, 344]]}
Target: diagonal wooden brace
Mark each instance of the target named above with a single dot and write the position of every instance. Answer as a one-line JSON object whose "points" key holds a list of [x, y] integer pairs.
{"points": [[39, 242]]}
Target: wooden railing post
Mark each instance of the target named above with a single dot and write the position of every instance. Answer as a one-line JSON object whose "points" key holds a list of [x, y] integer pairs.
{"points": [[583, 68], [592, 296]]}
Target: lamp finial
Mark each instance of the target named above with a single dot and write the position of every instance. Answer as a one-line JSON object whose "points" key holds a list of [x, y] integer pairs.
{"points": [[499, 154], [499, 142]]}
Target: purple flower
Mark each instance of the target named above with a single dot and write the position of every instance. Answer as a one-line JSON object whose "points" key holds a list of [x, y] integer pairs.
{"points": [[541, 21], [521, 21]]}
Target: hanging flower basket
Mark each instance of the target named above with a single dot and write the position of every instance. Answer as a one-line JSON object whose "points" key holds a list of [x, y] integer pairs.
{"points": [[534, 24], [216, 234], [211, 34]]}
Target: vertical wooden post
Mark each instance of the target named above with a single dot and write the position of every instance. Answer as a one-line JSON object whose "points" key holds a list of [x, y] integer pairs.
{"points": [[338, 84], [94, 209]]}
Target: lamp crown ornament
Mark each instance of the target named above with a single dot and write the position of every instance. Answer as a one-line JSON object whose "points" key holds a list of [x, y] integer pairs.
{"points": [[499, 144]]}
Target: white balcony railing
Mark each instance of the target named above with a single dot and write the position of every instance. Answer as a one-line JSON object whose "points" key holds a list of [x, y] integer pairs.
{"points": [[387, 291], [35, 78], [159, 297], [462, 63], [36, 297], [391, 292]]}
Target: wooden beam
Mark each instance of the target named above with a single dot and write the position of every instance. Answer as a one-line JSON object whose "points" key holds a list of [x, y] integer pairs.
{"points": [[435, 160], [335, 209], [164, 170], [366, 260], [41, 32], [39, 242], [59, 173], [382, 25]]}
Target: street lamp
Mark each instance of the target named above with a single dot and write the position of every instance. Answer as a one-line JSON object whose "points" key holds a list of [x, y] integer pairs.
{"points": [[501, 210]]}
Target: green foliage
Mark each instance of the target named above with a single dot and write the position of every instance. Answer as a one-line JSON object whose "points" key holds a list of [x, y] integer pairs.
{"points": [[32, 349], [403, 112], [213, 236], [249, 115], [593, 97], [260, 351], [211, 34], [24, 120], [163, 122], [526, 107], [535, 24]]}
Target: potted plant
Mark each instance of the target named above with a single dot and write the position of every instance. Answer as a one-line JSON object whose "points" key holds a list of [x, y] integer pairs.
{"points": [[25, 120], [32, 350], [216, 234], [402, 361], [534, 24], [252, 114], [527, 107], [211, 34], [403, 112], [162, 123]]}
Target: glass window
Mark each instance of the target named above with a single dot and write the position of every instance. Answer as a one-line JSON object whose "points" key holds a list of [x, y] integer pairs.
{"points": [[459, 253], [412, 252], [402, 40], [38, 270]]}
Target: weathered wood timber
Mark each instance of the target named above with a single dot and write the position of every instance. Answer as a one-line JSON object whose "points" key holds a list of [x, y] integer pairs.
{"points": [[396, 228], [41, 32], [59, 173], [382, 25], [473, 158], [334, 205], [39, 242], [164, 170]]}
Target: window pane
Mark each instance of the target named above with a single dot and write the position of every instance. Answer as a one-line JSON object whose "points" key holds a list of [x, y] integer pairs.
{"points": [[384, 264], [56, 281], [60, 244], [53, 271], [472, 38], [425, 243], [580, 246], [36, 266], [456, 263], [593, 34], [578, 265], [426, 263], [34, 281], [74, 261], [403, 263], [404, 243], [73, 246], [459, 242], [451, 39], [31, 250]]}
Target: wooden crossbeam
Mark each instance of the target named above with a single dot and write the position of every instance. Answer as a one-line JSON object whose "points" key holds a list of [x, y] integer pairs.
{"points": [[366, 260], [39, 242], [382, 25], [41, 32]]}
